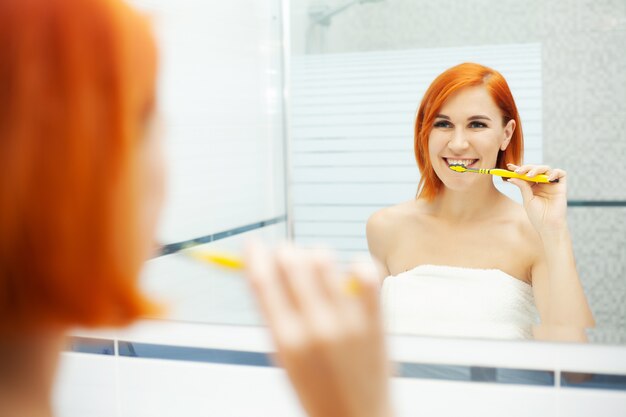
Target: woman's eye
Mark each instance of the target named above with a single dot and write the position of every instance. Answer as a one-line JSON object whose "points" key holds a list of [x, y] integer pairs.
{"points": [[477, 125], [442, 123]]}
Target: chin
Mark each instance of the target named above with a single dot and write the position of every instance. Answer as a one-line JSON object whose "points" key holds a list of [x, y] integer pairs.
{"points": [[460, 182], [455, 186]]}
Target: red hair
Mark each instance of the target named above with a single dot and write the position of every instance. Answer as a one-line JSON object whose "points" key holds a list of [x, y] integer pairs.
{"points": [[76, 87], [445, 85]]}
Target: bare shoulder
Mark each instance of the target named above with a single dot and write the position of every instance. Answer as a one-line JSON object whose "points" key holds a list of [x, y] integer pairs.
{"points": [[382, 227], [388, 219]]}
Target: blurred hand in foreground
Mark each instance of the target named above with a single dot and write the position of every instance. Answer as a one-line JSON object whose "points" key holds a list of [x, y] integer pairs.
{"points": [[327, 329]]}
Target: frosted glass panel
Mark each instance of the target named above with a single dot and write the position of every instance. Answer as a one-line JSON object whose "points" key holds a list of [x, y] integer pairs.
{"points": [[220, 94]]}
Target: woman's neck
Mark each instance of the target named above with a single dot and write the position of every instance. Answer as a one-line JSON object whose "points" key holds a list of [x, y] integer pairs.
{"points": [[27, 368], [469, 205]]}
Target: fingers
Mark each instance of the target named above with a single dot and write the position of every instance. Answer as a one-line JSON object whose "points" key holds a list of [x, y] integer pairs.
{"points": [[367, 274], [330, 280], [309, 280], [531, 170], [525, 188], [297, 277], [274, 300], [554, 175], [263, 278]]}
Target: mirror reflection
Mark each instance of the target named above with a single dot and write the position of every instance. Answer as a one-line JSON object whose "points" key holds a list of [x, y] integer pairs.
{"points": [[384, 101], [462, 254]]}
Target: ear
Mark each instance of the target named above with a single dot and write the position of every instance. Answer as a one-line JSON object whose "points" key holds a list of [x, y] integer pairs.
{"points": [[508, 134]]}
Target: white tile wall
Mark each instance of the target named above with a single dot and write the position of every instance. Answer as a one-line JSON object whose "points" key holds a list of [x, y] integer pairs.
{"points": [[86, 386], [574, 402], [414, 397], [93, 385], [155, 388]]}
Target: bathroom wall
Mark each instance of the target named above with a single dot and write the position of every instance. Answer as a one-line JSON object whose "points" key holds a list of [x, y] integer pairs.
{"points": [[161, 369]]}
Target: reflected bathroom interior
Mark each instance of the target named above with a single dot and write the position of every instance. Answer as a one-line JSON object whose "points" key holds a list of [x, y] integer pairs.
{"points": [[296, 121]]}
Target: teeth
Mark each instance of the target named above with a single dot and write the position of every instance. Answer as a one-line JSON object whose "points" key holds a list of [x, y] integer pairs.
{"points": [[464, 162]]}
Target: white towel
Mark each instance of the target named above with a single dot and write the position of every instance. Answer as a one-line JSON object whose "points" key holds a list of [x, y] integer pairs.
{"points": [[458, 302]]}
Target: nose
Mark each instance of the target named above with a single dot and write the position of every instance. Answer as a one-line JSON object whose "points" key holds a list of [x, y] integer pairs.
{"points": [[458, 142]]}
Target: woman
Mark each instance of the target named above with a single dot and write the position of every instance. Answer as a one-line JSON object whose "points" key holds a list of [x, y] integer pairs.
{"points": [[462, 258], [80, 193]]}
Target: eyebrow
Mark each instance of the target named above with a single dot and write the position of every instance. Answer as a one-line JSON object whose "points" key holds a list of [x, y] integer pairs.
{"points": [[476, 117], [479, 117]]}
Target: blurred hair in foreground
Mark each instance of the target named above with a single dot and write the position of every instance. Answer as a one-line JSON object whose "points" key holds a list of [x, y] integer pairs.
{"points": [[76, 87], [443, 87]]}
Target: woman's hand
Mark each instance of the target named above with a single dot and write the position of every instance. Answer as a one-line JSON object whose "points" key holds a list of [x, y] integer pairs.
{"points": [[545, 204], [328, 339]]}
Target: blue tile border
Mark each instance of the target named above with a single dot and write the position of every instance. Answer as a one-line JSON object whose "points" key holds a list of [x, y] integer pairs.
{"points": [[246, 358], [91, 345], [476, 374], [178, 246], [470, 374], [597, 203], [192, 354], [593, 381], [430, 371], [525, 376]]}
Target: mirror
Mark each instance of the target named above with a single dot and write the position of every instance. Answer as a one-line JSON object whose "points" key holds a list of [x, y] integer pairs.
{"points": [[359, 73], [316, 163]]}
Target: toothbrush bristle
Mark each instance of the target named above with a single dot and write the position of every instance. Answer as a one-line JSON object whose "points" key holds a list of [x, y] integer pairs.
{"points": [[457, 168]]}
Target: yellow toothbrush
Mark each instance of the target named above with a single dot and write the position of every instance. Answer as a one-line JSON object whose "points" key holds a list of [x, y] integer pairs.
{"points": [[216, 258], [234, 263], [503, 173]]}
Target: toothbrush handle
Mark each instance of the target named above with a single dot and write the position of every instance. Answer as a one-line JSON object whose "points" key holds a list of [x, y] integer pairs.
{"points": [[542, 178]]}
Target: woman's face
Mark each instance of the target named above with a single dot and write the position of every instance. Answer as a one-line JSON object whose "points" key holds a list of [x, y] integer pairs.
{"points": [[468, 130]]}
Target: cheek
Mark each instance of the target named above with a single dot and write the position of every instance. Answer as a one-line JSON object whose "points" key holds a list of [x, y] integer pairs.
{"points": [[155, 183], [486, 142], [436, 143]]}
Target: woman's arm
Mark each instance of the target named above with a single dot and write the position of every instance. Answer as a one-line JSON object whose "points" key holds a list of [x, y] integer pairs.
{"points": [[557, 288], [558, 292]]}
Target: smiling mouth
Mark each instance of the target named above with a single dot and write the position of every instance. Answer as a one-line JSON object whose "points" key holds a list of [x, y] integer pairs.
{"points": [[467, 163]]}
